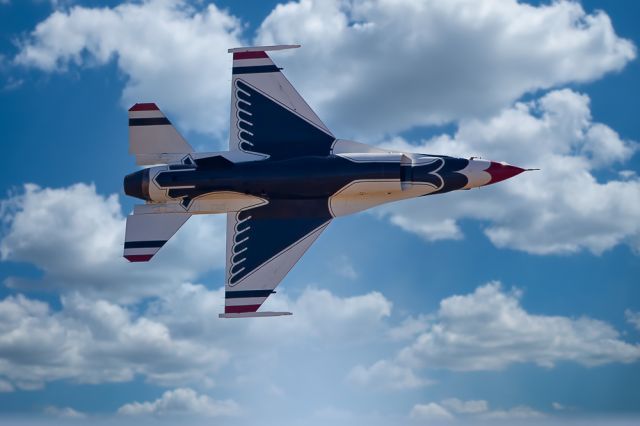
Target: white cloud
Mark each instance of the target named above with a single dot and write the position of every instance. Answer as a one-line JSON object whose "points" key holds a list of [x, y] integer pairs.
{"points": [[489, 330], [466, 407], [75, 236], [318, 315], [172, 54], [326, 317], [504, 49], [562, 208], [409, 328], [93, 342], [182, 401], [558, 406], [446, 229], [627, 174], [395, 65], [344, 267], [430, 411], [176, 339], [5, 386], [64, 412], [387, 375], [360, 59], [521, 412], [454, 408], [633, 318]]}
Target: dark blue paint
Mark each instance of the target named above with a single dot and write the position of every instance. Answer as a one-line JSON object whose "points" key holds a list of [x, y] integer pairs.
{"points": [[276, 226], [300, 178], [451, 179], [247, 293], [155, 121], [273, 129], [255, 70], [143, 244]]}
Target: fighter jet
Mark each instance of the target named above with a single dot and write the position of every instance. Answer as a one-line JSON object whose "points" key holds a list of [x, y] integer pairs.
{"points": [[283, 180]]}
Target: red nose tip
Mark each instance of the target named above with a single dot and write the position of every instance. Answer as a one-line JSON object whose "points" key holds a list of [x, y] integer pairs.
{"points": [[500, 172]]}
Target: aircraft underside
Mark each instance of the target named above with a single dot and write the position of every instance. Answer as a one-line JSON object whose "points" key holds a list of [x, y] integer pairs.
{"points": [[281, 183]]}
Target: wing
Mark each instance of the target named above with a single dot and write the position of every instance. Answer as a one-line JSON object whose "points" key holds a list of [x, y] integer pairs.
{"points": [[263, 244], [268, 116]]}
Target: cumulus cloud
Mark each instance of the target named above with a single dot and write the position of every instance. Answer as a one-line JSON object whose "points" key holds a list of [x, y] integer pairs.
{"points": [[563, 208], [93, 342], [171, 52], [385, 374], [64, 412], [633, 318], [174, 339], [409, 327], [424, 63], [521, 412], [75, 237], [395, 65], [6, 386], [344, 267], [454, 408], [168, 332], [466, 407], [489, 330], [351, 319], [430, 411], [182, 401], [487, 54]]}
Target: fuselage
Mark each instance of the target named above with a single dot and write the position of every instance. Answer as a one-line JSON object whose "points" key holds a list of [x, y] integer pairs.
{"points": [[349, 182]]}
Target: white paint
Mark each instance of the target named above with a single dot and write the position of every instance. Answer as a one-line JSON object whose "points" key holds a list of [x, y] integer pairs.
{"points": [[476, 174], [155, 139]]}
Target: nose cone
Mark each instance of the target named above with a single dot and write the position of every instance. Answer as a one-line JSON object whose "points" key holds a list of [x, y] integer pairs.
{"points": [[501, 171], [137, 184]]}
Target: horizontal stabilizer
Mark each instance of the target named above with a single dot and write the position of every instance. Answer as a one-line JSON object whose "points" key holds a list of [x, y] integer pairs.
{"points": [[254, 314], [152, 134], [147, 233]]}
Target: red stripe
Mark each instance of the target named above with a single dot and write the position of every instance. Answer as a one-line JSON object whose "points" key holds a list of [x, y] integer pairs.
{"points": [[249, 55], [240, 309], [144, 107], [138, 257]]}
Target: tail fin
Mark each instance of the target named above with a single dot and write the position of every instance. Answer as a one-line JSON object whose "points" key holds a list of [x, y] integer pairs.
{"points": [[152, 137]]}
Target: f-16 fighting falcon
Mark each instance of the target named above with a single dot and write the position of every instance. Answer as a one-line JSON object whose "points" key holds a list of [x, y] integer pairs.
{"points": [[283, 180]]}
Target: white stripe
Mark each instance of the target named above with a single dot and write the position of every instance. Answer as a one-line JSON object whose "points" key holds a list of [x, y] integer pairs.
{"points": [[252, 62], [241, 301], [146, 114], [144, 250]]}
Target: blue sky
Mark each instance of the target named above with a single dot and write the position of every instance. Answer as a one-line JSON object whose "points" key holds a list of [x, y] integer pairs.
{"points": [[518, 302]]}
